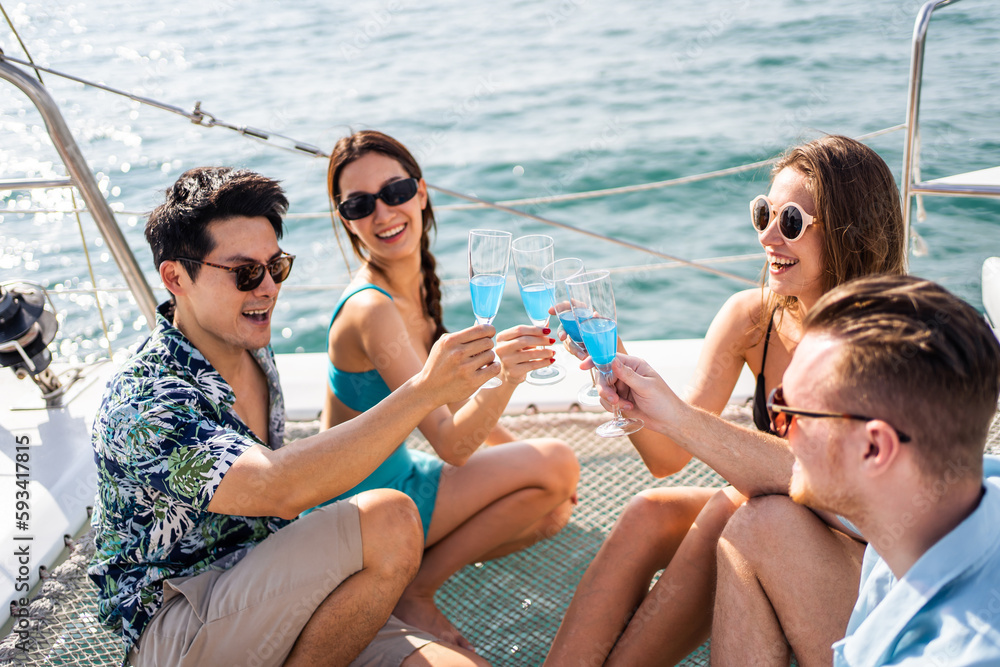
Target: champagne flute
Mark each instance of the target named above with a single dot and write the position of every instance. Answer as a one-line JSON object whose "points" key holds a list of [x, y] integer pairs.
{"points": [[594, 302], [489, 257], [555, 276], [531, 254]]}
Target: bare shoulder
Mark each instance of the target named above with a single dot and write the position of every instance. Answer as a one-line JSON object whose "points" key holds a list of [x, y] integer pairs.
{"points": [[739, 318], [727, 348], [365, 312], [366, 308]]}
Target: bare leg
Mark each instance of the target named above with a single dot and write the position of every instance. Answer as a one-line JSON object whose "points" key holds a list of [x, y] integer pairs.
{"points": [[787, 582], [503, 499], [655, 525], [675, 617], [350, 617]]}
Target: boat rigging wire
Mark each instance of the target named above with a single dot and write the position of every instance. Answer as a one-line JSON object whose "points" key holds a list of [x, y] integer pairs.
{"points": [[626, 189], [205, 119], [76, 209], [19, 41], [197, 115], [60, 290], [587, 232], [93, 280]]}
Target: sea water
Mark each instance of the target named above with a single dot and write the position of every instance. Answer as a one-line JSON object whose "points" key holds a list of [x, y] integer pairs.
{"points": [[502, 100]]}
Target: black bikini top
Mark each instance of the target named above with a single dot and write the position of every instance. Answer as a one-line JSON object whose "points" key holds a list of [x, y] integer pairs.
{"points": [[760, 417]]}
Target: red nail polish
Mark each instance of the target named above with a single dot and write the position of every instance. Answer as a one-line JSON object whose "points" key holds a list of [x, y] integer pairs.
{"points": [[552, 360], [546, 330], [552, 340]]}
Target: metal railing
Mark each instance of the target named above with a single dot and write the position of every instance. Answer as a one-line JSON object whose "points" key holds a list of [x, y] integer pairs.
{"points": [[911, 146], [82, 179]]}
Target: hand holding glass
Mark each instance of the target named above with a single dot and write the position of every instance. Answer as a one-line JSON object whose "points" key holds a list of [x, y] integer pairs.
{"points": [[594, 307], [489, 257], [531, 254], [554, 276]]}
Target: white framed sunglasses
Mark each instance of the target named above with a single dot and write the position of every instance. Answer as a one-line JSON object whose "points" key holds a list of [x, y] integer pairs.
{"points": [[792, 219]]}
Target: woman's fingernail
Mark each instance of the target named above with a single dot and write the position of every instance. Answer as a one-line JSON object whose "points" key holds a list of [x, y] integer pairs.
{"points": [[546, 330], [552, 360], [552, 340]]}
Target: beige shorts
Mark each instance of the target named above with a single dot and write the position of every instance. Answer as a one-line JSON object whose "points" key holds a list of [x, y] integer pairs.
{"points": [[252, 613]]}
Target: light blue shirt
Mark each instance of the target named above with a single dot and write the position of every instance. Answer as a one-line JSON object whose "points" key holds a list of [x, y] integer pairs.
{"points": [[946, 608]]}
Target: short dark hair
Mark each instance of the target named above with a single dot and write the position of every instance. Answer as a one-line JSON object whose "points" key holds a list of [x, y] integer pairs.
{"points": [[920, 358], [177, 227]]}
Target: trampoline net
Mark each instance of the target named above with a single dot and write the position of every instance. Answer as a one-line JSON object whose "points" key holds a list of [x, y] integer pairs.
{"points": [[509, 608]]}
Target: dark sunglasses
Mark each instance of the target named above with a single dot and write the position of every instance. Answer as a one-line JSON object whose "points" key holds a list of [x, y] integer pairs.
{"points": [[363, 205], [782, 416], [250, 276], [792, 220]]}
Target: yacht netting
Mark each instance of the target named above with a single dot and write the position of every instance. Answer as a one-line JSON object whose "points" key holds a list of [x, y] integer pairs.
{"points": [[509, 608]]}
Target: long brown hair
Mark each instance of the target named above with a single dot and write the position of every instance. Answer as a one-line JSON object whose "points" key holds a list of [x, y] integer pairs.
{"points": [[357, 145], [857, 204]]}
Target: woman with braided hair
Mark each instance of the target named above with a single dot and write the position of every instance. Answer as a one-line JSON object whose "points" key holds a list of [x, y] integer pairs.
{"points": [[475, 504]]}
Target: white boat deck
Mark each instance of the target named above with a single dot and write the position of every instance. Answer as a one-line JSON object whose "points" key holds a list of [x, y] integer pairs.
{"points": [[971, 183], [59, 464]]}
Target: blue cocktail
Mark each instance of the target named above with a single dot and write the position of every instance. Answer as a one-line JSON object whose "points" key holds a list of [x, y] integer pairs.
{"points": [[594, 307], [489, 257], [600, 335], [531, 254], [487, 290], [569, 320], [555, 276], [537, 300]]}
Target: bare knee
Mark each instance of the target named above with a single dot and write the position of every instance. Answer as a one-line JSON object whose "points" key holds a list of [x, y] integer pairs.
{"points": [[561, 466], [392, 535], [644, 511], [765, 525], [660, 515], [555, 520], [719, 509]]}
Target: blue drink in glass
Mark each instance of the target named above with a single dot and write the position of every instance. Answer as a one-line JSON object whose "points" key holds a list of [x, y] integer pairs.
{"points": [[600, 335], [531, 254], [597, 321], [536, 299], [570, 319], [489, 259], [487, 289]]}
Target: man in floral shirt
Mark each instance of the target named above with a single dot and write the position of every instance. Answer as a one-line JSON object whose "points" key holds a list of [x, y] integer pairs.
{"points": [[200, 559]]}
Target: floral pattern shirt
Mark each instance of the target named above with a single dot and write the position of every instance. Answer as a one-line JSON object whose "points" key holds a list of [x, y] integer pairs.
{"points": [[165, 436]]}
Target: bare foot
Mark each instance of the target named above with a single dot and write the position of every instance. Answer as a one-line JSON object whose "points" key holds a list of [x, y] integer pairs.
{"points": [[421, 612]]}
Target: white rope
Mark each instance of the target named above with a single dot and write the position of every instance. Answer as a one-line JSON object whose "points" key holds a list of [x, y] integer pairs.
{"points": [[602, 237], [626, 189]]}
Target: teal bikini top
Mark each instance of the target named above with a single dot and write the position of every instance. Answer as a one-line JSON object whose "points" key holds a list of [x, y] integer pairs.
{"points": [[358, 391]]}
